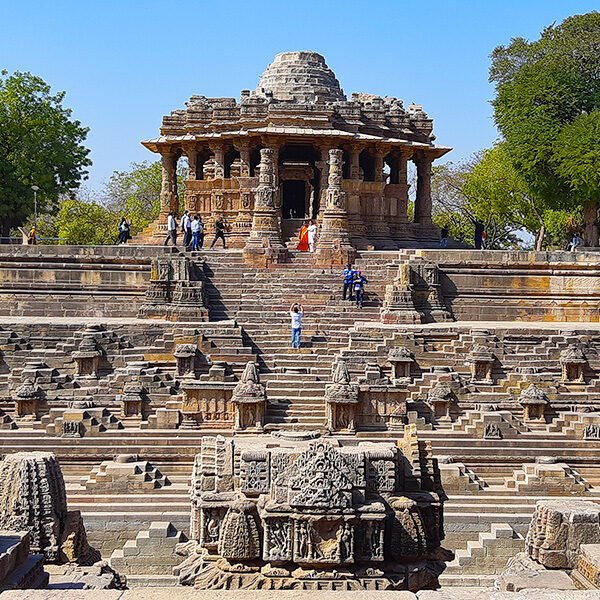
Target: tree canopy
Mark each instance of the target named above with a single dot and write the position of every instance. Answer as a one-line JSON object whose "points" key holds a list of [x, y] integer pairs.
{"points": [[544, 89], [40, 144]]}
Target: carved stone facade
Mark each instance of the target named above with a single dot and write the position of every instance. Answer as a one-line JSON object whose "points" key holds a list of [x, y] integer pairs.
{"points": [[299, 113], [176, 291], [314, 515], [33, 499]]}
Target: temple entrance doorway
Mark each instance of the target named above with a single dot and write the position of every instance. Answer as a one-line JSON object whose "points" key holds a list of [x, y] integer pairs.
{"points": [[294, 199]]}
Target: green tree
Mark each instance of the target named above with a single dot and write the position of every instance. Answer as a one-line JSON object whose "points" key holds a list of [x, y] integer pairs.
{"points": [[476, 189], [80, 222], [40, 144], [577, 160], [135, 194], [542, 87]]}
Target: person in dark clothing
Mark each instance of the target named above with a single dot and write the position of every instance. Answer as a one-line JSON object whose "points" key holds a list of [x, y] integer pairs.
{"points": [[359, 287], [444, 234], [220, 228], [479, 234], [348, 279]]}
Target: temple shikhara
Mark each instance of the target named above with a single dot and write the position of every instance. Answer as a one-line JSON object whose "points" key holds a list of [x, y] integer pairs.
{"points": [[300, 113], [440, 442]]}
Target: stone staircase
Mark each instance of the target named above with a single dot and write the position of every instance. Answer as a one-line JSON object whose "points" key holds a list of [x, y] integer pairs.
{"points": [[295, 379], [485, 557], [148, 560]]}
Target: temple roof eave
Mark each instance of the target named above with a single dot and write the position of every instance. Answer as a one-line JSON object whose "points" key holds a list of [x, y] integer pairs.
{"points": [[164, 141]]}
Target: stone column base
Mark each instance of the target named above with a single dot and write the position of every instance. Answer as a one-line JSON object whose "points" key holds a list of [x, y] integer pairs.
{"points": [[265, 257], [334, 257], [401, 316]]}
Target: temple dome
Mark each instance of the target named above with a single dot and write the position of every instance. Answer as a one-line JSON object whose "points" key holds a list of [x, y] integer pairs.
{"points": [[300, 76]]}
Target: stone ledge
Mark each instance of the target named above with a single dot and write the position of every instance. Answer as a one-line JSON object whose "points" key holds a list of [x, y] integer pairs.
{"points": [[183, 593]]}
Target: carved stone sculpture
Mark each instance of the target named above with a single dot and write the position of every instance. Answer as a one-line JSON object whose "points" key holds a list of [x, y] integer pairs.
{"points": [[401, 359], [534, 402], [481, 360], [440, 398], [33, 499], [249, 400], [572, 362], [314, 514], [87, 357], [558, 528], [27, 399], [176, 291], [341, 397]]}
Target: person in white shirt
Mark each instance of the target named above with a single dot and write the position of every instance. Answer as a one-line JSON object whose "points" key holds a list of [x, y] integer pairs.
{"points": [[312, 236], [296, 315], [171, 230], [197, 229], [186, 228]]}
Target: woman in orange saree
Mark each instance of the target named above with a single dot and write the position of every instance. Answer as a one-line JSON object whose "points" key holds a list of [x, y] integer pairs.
{"points": [[303, 242]]}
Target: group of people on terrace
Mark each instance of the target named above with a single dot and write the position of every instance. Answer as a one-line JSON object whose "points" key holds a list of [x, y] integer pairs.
{"points": [[193, 230]]}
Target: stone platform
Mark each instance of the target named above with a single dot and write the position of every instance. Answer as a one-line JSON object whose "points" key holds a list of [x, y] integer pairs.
{"points": [[504, 388]]}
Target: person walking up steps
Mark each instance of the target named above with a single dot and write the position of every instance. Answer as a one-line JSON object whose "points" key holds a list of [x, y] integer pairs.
{"points": [[348, 279], [219, 232], [171, 230], [296, 316], [359, 287], [312, 236]]}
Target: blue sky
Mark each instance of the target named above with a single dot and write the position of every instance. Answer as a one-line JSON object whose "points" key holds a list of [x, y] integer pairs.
{"points": [[125, 63]]}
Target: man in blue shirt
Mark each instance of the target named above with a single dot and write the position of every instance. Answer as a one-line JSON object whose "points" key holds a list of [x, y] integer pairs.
{"points": [[348, 279]]}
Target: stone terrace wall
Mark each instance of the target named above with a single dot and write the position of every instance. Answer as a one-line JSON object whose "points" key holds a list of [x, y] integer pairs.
{"points": [[74, 280], [513, 285]]}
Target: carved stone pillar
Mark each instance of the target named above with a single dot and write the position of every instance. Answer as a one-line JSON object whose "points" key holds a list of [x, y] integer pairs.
{"points": [[192, 155], [219, 157], [168, 192], [378, 168], [333, 245], [355, 162], [243, 147], [356, 221], [423, 199], [264, 245], [323, 165]]}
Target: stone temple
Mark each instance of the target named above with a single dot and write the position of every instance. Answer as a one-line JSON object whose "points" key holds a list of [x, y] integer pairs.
{"points": [[300, 112], [157, 430]]}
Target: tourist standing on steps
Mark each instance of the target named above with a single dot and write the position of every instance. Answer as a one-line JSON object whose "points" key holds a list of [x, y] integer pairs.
{"points": [[171, 230], [312, 236], [186, 228], [479, 234], [124, 229], [196, 229], [296, 315], [348, 279], [359, 287], [444, 233], [219, 231], [303, 238]]}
